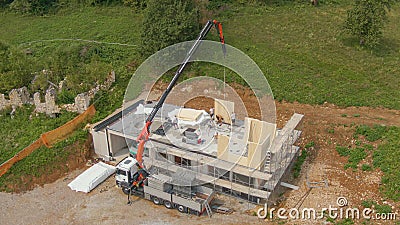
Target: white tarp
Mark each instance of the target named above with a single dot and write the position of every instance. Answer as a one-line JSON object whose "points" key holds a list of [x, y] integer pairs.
{"points": [[92, 177], [143, 110]]}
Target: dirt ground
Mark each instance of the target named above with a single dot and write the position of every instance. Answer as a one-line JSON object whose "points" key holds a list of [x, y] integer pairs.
{"points": [[55, 203], [326, 125]]}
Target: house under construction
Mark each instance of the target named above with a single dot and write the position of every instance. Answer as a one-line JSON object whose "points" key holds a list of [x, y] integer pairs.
{"points": [[246, 158]]}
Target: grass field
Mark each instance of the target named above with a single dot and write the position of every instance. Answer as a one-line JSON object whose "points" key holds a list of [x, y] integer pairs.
{"points": [[299, 48], [106, 24], [21, 131], [305, 57]]}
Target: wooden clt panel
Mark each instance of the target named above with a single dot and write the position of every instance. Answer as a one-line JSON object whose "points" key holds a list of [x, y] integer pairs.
{"points": [[224, 109]]}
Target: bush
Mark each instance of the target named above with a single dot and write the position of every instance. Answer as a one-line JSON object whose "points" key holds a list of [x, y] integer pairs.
{"points": [[309, 145], [371, 134], [356, 155], [66, 97], [16, 68], [368, 203], [82, 65], [299, 162], [136, 4], [350, 165], [366, 167], [383, 208], [37, 7], [369, 147], [4, 3], [366, 20], [168, 22], [379, 208], [343, 151], [216, 4]]}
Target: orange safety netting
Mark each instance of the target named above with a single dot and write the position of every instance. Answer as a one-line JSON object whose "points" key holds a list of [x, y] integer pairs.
{"points": [[49, 138]]}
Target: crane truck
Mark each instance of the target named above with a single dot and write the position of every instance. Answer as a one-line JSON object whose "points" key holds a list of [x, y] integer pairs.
{"points": [[131, 174]]}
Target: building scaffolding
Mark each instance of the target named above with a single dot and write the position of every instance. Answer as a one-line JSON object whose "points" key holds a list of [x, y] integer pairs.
{"points": [[227, 177]]}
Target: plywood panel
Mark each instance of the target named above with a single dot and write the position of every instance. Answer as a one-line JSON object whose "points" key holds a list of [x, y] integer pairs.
{"points": [[225, 109], [189, 114], [223, 142], [254, 129]]}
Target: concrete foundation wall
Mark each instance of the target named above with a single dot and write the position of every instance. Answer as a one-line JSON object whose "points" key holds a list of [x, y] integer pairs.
{"points": [[100, 143], [117, 143]]}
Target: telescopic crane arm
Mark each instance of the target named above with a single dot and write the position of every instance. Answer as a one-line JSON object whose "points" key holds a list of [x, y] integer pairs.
{"points": [[145, 133]]}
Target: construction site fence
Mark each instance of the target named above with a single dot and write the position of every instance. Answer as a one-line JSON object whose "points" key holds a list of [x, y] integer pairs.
{"points": [[49, 138]]}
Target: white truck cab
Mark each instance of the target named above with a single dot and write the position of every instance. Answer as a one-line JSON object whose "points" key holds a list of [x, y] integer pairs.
{"points": [[125, 172]]}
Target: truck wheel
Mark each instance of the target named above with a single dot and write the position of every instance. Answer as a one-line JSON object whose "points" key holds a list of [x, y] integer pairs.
{"points": [[182, 209], [168, 205], [126, 191], [156, 201]]}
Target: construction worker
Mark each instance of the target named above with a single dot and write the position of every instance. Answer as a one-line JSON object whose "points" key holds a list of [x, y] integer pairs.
{"points": [[220, 119], [175, 122]]}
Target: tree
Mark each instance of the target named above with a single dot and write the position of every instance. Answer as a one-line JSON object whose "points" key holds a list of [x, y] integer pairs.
{"points": [[367, 19], [167, 22], [37, 7], [4, 3]]}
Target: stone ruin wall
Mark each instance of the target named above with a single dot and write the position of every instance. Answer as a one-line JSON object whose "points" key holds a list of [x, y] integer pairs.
{"points": [[21, 96]]}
